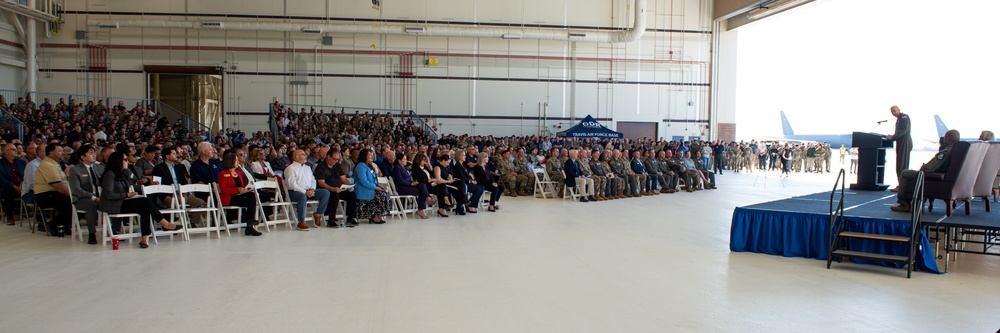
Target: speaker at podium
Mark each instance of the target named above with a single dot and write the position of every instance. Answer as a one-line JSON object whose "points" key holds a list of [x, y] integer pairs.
{"points": [[871, 160]]}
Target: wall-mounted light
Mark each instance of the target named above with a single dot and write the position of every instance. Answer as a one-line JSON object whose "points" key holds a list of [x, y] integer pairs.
{"points": [[414, 30], [511, 36]]}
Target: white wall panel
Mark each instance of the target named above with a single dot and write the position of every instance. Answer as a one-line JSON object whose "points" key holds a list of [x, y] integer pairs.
{"points": [[458, 60]]}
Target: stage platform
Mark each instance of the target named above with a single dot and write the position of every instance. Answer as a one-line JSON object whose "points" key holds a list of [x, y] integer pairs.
{"points": [[800, 227]]}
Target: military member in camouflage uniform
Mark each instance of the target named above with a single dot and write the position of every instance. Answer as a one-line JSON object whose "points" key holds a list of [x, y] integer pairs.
{"points": [[521, 163], [600, 182], [554, 168], [615, 186], [667, 178], [675, 165], [620, 166], [508, 175], [798, 156]]}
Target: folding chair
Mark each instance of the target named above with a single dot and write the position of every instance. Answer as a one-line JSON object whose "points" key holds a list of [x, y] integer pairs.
{"points": [[570, 192], [221, 209], [212, 220], [283, 210], [176, 213], [28, 213], [397, 208], [543, 185], [77, 229]]}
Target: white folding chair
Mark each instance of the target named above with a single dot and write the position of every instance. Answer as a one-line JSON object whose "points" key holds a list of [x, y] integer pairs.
{"points": [[570, 192], [402, 204], [283, 210], [176, 214], [77, 229], [221, 209], [543, 185], [212, 220]]}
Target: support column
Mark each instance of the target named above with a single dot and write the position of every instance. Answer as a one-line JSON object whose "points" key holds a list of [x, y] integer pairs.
{"points": [[31, 50]]}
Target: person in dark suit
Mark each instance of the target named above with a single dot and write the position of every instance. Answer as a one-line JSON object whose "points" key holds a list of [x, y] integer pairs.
{"points": [[574, 177], [84, 180], [488, 180], [11, 176], [405, 185], [173, 173], [117, 197], [471, 186]]}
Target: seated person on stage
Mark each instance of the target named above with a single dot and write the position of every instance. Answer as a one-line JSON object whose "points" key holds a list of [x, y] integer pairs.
{"points": [[301, 185], [938, 164], [83, 183], [117, 197], [11, 176]]}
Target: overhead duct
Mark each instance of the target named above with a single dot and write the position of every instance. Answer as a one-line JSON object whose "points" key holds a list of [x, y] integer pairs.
{"points": [[623, 36]]}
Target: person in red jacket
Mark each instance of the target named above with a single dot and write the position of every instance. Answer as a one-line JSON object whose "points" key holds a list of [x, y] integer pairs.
{"points": [[234, 191]]}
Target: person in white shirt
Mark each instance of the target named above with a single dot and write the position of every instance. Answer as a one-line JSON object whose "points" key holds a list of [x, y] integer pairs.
{"points": [[28, 184], [301, 185]]}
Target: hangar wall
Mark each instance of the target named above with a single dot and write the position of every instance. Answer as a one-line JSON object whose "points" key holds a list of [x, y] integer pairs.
{"points": [[478, 86]]}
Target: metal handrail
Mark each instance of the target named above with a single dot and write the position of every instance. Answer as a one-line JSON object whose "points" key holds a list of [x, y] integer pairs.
{"points": [[836, 214], [916, 207]]}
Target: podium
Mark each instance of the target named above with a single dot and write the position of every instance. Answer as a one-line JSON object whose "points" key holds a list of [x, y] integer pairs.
{"points": [[871, 161]]}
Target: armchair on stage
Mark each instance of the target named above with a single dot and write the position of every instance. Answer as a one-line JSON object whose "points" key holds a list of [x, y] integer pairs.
{"points": [[957, 184]]}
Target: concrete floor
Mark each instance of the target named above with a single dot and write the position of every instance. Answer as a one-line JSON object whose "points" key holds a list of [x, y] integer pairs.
{"points": [[650, 264]]}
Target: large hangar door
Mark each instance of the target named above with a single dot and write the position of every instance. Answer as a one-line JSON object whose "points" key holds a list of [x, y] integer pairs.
{"points": [[638, 130]]}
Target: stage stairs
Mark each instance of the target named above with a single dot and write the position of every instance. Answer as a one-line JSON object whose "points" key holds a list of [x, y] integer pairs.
{"points": [[840, 244]]}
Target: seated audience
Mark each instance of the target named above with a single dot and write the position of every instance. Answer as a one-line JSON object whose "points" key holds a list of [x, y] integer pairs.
{"points": [[11, 176], [83, 183], [118, 197], [234, 190], [301, 185], [405, 185], [373, 201]]}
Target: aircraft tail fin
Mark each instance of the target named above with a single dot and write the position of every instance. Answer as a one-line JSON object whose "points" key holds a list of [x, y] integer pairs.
{"points": [[786, 128], [941, 128]]}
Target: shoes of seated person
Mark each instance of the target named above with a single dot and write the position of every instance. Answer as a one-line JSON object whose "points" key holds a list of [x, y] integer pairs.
{"points": [[901, 208], [334, 225], [583, 199], [591, 198], [894, 189], [302, 227], [352, 222], [92, 239], [249, 231]]}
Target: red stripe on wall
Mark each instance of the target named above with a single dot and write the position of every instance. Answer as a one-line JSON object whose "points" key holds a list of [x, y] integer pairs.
{"points": [[365, 52]]}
